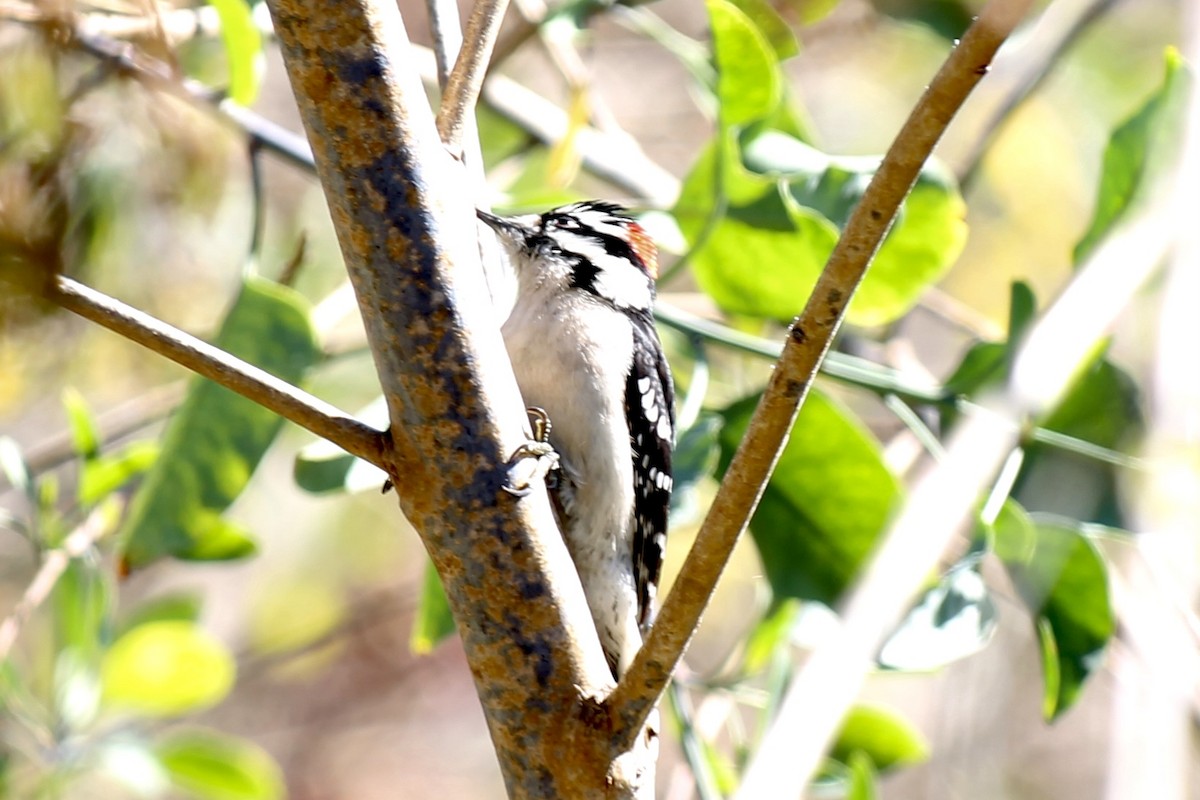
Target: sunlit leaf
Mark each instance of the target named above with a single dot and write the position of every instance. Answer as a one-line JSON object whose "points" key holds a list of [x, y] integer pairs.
{"points": [[885, 737], [103, 475], [163, 669], [289, 614], [749, 84], [83, 599], [826, 504], [780, 223], [84, 435], [243, 49], [433, 621], [216, 439], [1139, 154], [771, 25], [862, 784], [174, 607], [215, 766]]}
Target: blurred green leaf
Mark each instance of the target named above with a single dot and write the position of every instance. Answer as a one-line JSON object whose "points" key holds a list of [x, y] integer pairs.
{"points": [[885, 737], [323, 467], [1013, 535], [216, 439], [1064, 583], [1103, 407], [771, 25], [828, 499], [174, 607], [769, 635], [215, 766], [320, 472], [103, 475], [749, 84], [163, 669], [862, 784], [499, 137], [433, 621], [243, 49], [83, 604], [296, 611], [948, 18], [1139, 154], [952, 620], [84, 435]]}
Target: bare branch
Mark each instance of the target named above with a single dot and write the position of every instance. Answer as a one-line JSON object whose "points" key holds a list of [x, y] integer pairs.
{"points": [[807, 342], [54, 564], [462, 87], [215, 364]]}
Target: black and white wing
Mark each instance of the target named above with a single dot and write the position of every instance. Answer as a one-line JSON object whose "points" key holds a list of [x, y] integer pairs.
{"points": [[650, 400]]}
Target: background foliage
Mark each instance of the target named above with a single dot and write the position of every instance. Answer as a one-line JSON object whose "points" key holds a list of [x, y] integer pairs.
{"points": [[319, 661]]}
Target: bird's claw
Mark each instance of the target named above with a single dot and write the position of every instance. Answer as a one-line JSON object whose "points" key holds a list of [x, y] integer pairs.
{"points": [[545, 459]]}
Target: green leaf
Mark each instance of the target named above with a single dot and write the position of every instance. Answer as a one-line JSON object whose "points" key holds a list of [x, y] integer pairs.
{"points": [[783, 208], [323, 467], [1141, 151], [433, 621], [885, 737], [988, 363], [768, 636], [216, 439], [164, 669], [953, 619], [771, 25], [826, 504], [1013, 535], [294, 612], [84, 435], [749, 84], [174, 607], [216, 766], [1022, 309], [1064, 583], [1103, 407], [862, 778], [243, 49], [83, 604], [924, 242], [103, 475]]}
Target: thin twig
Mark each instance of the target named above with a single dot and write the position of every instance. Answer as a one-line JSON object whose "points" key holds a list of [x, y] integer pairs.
{"points": [[809, 338], [54, 564], [445, 27], [462, 87], [215, 364]]}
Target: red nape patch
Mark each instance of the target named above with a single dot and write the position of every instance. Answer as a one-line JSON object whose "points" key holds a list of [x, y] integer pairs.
{"points": [[643, 246]]}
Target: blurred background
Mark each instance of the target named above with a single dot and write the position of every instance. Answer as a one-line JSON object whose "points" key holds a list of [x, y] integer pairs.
{"points": [[122, 178]]}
